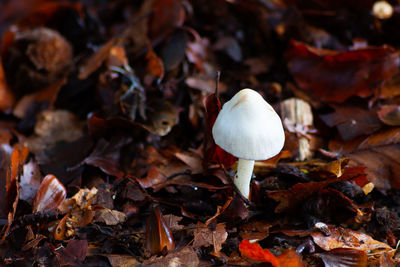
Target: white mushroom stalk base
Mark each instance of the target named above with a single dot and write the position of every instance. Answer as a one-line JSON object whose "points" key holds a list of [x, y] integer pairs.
{"points": [[243, 176]]}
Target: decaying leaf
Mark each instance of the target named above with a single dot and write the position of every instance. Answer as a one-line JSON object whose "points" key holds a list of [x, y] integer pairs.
{"points": [[109, 217], [255, 231], [204, 236], [173, 222], [187, 257], [340, 75], [344, 257], [291, 198], [80, 212], [378, 153], [74, 253], [121, 260], [52, 127], [345, 238]]}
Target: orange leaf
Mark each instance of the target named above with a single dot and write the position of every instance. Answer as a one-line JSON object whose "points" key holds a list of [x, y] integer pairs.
{"points": [[255, 252], [290, 258], [158, 235], [155, 65]]}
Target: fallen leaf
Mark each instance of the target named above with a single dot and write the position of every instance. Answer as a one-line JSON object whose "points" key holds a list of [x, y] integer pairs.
{"points": [[204, 236], [52, 127], [334, 168], [158, 235], [255, 231], [155, 66], [290, 258], [294, 196], [337, 75], [96, 60], [7, 98], [187, 257], [173, 52], [50, 194], [390, 115], [106, 155], [192, 160], [167, 15], [33, 243], [254, 252], [230, 46], [203, 84], [345, 238], [73, 254], [378, 152], [121, 260], [173, 222], [348, 257], [109, 217], [352, 121]]}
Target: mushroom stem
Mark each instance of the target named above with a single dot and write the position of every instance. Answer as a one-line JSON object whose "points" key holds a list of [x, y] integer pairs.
{"points": [[243, 176]]}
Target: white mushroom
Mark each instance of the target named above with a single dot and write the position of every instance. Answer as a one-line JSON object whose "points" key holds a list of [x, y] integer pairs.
{"points": [[250, 129]]}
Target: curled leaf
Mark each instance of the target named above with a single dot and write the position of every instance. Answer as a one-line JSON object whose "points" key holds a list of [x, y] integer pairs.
{"points": [[50, 195], [158, 235]]}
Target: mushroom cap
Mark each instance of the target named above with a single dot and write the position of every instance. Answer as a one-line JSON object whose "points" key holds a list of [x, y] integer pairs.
{"points": [[248, 127]]}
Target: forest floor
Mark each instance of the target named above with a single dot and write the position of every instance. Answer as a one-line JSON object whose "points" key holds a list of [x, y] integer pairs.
{"points": [[107, 156]]}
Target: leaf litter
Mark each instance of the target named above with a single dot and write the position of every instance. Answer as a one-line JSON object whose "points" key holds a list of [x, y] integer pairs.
{"points": [[107, 154]]}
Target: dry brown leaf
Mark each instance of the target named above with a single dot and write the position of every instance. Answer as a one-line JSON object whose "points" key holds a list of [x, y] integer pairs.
{"points": [[344, 257], [173, 222], [345, 238], [255, 231], [334, 168], [193, 160], [379, 153], [204, 236], [186, 257], [121, 260], [109, 217]]}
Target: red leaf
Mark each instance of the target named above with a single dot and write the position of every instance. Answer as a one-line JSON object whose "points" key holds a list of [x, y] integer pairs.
{"points": [[212, 152], [167, 15], [255, 252], [336, 75]]}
